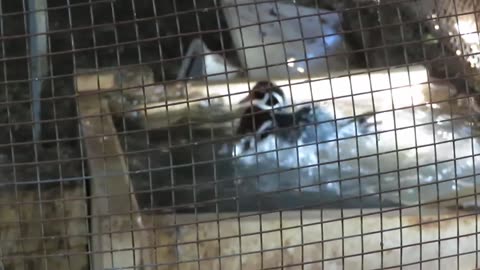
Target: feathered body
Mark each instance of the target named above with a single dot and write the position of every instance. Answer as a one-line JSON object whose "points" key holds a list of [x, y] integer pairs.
{"points": [[405, 156], [410, 155]]}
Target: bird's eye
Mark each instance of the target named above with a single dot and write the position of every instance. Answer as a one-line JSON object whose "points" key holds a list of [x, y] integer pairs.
{"points": [[276, 98], [271, 101], [246, 145]]}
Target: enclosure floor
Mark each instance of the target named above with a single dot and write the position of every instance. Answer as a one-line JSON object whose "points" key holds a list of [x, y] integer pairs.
{"points": [[50, 232], [328, 239], [53, 234]]}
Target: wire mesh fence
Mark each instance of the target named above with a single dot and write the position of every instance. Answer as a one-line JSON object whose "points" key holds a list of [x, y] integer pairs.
{"points": [[239, 134]]}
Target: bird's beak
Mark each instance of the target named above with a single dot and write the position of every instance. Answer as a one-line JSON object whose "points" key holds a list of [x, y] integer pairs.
{"points": [[245, 99], [262, 103]]}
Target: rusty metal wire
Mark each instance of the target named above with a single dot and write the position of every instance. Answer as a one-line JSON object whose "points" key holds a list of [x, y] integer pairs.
{"points": [[110, 184]]}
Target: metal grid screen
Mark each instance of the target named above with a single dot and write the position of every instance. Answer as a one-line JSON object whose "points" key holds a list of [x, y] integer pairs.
{"points": [[239, 134]]}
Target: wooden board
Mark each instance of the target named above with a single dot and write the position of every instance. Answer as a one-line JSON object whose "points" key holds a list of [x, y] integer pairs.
{"points": [[347, 94], [116, 225], [132, 93]]}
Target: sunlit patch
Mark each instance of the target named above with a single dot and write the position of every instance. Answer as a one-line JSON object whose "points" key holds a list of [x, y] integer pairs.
{"points": [[290, 62], [468, 30]]}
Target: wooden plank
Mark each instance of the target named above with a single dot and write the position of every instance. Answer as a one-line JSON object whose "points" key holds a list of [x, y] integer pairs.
{"points": [[113, 78], [160, 105], [121, 85], [114, 243], [350, 93]]}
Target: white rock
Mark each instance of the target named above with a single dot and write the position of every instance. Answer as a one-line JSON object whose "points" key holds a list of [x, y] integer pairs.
{"points": [[272, 33]]}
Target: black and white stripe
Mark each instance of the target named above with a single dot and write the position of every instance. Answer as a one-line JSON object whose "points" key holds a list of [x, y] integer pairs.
{"points": [[264, 114]]}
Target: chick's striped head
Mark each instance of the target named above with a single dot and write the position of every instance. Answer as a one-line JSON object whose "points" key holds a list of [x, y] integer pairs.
{"points": [[265, 95]]}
